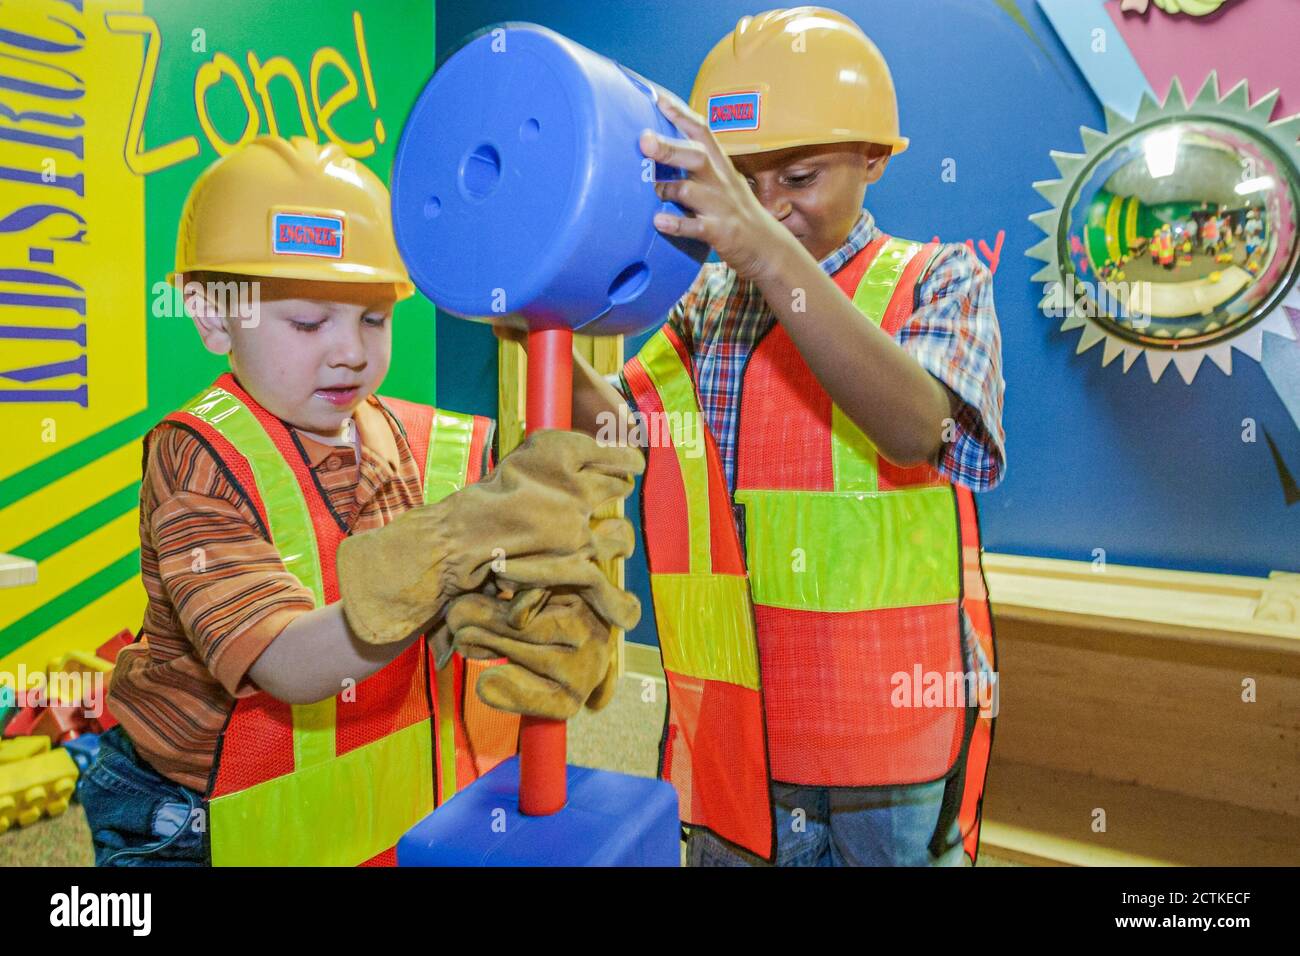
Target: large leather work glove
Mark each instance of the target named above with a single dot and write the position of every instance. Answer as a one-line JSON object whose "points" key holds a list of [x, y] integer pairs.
{"points": [[529, 522], [559, 652]]}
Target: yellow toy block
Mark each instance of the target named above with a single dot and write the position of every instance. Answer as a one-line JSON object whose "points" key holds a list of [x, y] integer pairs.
{"points": [[78, 670], [35, 787], [78, 662], [20, 748]]}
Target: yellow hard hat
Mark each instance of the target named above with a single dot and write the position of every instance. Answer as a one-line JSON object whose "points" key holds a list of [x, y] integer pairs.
{"points": [[797, 77], [290, 209]]}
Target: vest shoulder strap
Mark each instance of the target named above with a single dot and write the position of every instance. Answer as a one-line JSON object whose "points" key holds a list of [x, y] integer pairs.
{"points": [[224, 410], [453, 448], [886, 293], [664, 366], [415, 421]]}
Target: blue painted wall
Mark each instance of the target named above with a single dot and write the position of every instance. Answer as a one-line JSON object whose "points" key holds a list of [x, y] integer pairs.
{"points": [[1156, 474]]}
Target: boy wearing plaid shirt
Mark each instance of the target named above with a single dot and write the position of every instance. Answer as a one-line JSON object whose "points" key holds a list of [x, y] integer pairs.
{"points": [[836, 368]]}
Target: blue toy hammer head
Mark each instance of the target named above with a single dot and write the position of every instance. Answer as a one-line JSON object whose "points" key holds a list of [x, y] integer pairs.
{"points": [[520, 194]]}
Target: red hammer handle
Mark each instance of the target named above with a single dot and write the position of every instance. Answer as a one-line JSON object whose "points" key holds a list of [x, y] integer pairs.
{"points": [[550, 405]]}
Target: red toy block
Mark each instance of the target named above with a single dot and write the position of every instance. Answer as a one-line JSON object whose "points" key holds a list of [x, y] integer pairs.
{"points": [[23, 722], [109, 649], [61, 724]]}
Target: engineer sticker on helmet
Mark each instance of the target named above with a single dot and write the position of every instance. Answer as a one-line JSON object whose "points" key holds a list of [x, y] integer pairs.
{"points": [[299, 235], [730, 111]]}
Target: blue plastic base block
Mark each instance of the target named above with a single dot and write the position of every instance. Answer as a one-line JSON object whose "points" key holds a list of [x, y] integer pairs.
{"points": [[611, 819]]}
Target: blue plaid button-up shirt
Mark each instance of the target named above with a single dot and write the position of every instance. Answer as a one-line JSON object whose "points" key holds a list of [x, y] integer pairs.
{"points": [[953, 334]]}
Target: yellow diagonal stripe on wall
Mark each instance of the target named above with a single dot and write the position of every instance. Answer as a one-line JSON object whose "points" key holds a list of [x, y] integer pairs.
{"points": [[61, 571], [122, 607], [74, 492]]}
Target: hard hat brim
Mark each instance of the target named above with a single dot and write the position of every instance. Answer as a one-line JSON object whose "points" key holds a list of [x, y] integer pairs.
{"points": [[896, 146], [310, 272]]}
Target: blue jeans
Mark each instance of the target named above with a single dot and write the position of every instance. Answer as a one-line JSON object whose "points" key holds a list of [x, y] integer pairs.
{"points": [[138, 817], [845, 826]]}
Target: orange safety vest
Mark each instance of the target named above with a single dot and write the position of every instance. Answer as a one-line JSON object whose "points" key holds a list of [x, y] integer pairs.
{"points": [[801, 655], [337, 782], [1166, 247]]}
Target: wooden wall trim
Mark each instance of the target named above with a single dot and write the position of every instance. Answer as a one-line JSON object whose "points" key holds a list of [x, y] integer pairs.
{"points": [[1225, 609]]}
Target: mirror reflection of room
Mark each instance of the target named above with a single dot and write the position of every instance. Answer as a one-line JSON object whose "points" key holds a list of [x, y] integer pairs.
{"points": [[1193, 222]]}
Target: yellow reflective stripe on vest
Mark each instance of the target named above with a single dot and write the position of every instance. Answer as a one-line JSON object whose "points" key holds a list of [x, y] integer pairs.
{"points": [[672, 381], [446, 690], [291, 533], [706, 622], [309, 817], [447, 459], [853, 456], [877, 285], [706, 627], [286, 509], [851, 551], [446, 463]]}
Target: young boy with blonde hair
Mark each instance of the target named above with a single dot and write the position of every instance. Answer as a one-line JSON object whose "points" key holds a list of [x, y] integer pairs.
{"points": [[299, 537]]}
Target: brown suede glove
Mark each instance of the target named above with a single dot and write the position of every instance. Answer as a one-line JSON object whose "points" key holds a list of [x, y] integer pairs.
{"points": [[559, 652], [528, 523]]}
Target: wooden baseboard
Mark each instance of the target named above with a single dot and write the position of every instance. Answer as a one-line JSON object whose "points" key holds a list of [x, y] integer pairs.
{"points": [[1193, 607], [1044, 816], [642, 659]]}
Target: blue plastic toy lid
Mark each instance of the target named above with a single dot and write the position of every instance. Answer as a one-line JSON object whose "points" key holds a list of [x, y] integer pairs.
{"points": [[481, 199]]}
